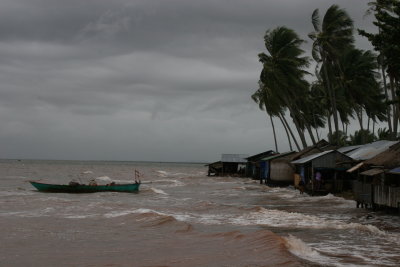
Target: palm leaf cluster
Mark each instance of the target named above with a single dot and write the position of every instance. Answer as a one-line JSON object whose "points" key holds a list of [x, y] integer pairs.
{"points": [[347, 82]]}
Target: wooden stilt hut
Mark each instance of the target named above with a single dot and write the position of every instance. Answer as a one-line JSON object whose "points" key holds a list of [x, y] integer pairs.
{"points": [[255, 168], [323, 172], [282, 171], [229, 165], [379, 186]]}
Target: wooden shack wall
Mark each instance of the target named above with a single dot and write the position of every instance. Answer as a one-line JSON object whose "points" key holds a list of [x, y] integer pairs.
{"points": [[329, 160], [281, 171], [363, 192], [387, 196]]}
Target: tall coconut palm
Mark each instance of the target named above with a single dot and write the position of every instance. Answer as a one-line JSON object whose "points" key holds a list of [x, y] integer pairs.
{"points": [[361, 87], [271, 103], [387, 42], [330, 38], [283, 70], [268, 102]]}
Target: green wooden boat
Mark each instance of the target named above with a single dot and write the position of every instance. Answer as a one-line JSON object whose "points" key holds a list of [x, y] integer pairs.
{"points": [[82, 188]]}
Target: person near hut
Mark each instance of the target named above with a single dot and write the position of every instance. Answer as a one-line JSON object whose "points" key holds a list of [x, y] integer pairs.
{"points": [[318, 180], [301, 186]]}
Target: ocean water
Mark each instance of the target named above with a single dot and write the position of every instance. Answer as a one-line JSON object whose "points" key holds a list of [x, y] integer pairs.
{"points": [[181, 217]]}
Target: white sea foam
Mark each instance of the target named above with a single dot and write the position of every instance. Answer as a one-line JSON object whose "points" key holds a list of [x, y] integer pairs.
{"points": [[35, 213], [302, 250], [11, 213], [278, 218], [79, 216], [324, 253], [162, 173], [299, 248], [16, 193], [169, 182], [158, 191], [114, 214]]}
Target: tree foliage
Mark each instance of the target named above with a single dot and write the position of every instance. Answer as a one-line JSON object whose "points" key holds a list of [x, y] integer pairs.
{"points": [[348, 83]]}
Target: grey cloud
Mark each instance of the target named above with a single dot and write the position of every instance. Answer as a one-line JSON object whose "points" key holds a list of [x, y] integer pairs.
{"points": [[140, 80]]}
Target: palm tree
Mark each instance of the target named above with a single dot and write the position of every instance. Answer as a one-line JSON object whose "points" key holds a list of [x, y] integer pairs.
{"points": [[331, 37], [362, 137], [269, 102], [266, 101], [361, 87], [386, 42], [283, 71]]}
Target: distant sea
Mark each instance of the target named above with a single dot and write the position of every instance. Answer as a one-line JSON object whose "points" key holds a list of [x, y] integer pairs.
{"points": [[181, 217]]}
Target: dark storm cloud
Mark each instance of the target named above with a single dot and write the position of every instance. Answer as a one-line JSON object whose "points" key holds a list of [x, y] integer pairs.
{"points": [[140, 80]]}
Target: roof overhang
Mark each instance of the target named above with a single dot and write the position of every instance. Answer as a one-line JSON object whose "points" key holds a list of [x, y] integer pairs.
{"points": [[372, 172], [356, 167], [395, 171]]}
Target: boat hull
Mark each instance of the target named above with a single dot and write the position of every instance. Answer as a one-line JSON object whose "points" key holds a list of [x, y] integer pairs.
{"points": [[60, 188]]}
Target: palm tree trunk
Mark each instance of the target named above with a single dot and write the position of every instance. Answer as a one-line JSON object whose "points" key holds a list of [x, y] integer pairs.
{"points": [[292, 113], [310, 133], [373, 127], [331, 92], [317, 134], [287, 133], [359, 117], [316, 130], [386, 97], [273, 129], [397, 99], [290, 131], [301, 134], [297, 124], [329, 124], [395, 114]]}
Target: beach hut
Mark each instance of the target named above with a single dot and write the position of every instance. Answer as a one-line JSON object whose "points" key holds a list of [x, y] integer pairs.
{"points": [[379, 185], [282, 170], [253, 167], [230, 164], [215, 168], [265, 175], [323, 172]]}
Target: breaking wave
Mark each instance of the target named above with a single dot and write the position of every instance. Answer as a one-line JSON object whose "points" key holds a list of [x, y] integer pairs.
{"points": [[297, 247], [169, 182], [158, 191]]}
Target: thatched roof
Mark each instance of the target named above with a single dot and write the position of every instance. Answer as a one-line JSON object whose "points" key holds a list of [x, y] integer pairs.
{"points": [[389, 159]]}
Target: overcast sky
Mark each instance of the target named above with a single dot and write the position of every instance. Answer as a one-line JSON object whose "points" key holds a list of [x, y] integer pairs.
{"points": [[153, 80]]}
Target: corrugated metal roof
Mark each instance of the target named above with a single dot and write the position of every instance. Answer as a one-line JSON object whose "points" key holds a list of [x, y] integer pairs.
{"points": [[212, 163], [372, 172], [278, 155], [235, 158], [369, 151], [347, 149], [395, 170], [311, 157], [260, 155]]}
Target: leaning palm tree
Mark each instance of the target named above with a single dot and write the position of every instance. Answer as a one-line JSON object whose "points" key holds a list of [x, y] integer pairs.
{"points": [[266, 101], [331, 37], [271, 103], [361, 87], [283, 71]]}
